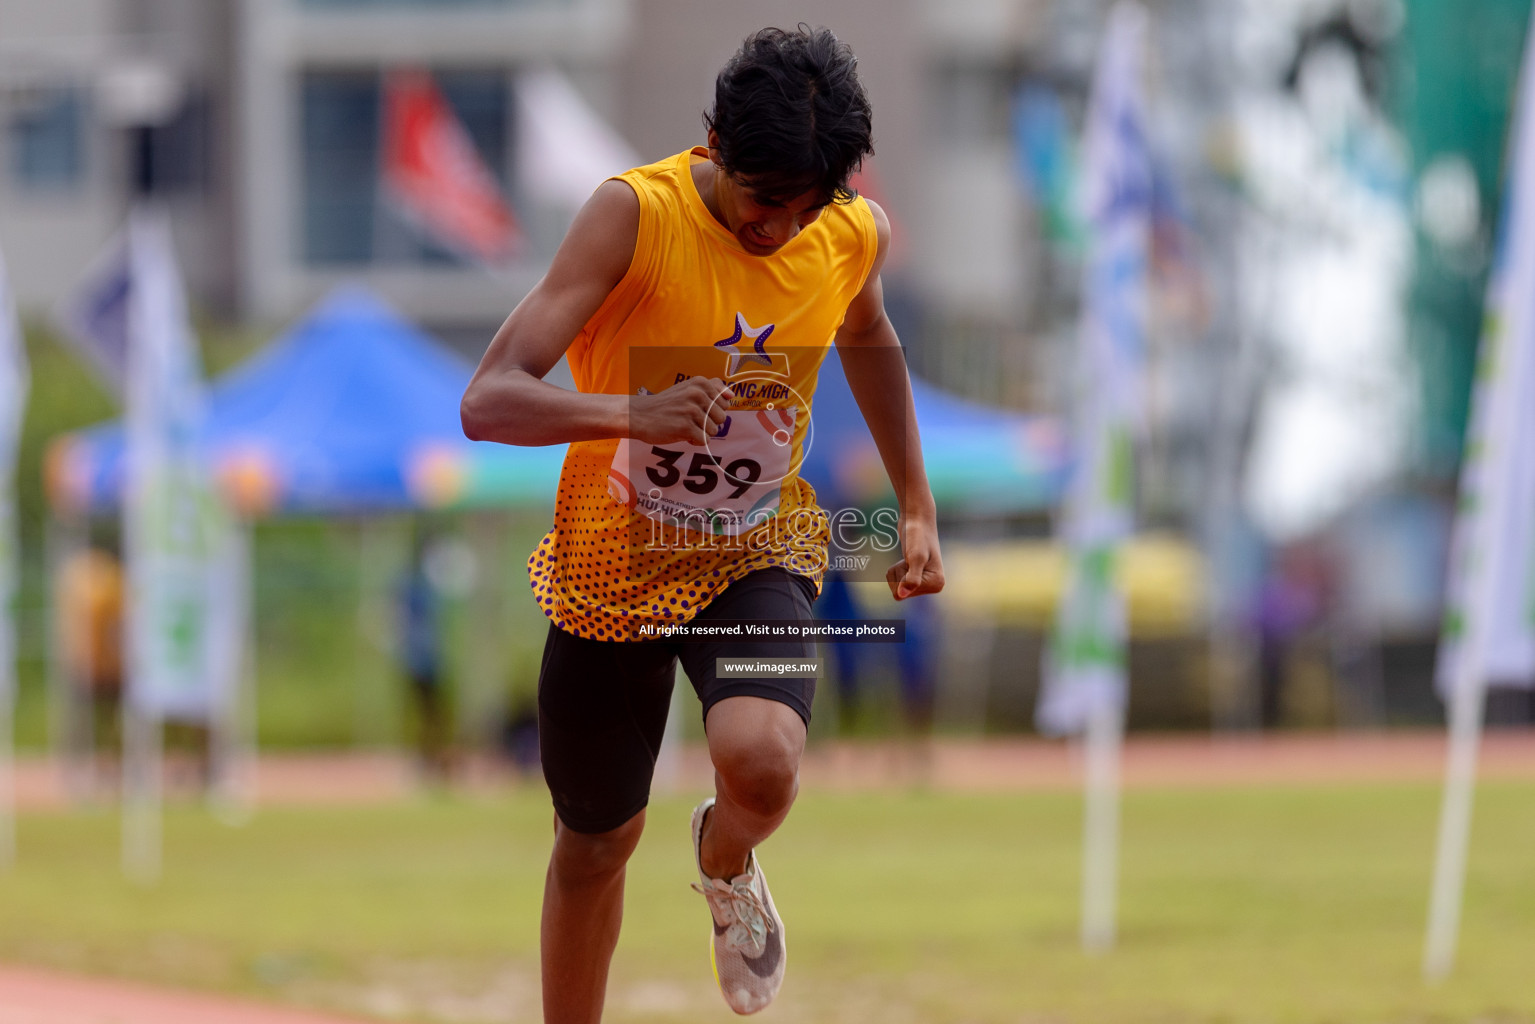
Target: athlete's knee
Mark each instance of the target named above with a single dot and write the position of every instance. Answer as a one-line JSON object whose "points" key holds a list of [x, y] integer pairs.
{"points": [[756, 745], [580, 856], [761, 774]]}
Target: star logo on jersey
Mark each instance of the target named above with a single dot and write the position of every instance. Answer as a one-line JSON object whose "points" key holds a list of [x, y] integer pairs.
{"points": [[743, 333]]}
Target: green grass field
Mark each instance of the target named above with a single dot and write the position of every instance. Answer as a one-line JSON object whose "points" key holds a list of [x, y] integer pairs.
{"points": [[1255, 904]]}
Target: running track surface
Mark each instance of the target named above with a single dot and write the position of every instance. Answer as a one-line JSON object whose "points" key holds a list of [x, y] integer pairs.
{"points": [[945, 765], [30, 996]]}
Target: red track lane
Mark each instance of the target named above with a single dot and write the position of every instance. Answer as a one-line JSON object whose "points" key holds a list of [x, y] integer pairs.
{"points": [[29, 996], [946, 765]]}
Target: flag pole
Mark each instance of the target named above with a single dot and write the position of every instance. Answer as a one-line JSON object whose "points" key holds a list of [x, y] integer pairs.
{"points": [[142, 775], [1495, 508], [14, 382], [1100, 838], [234, 724], [1466, 711], [7, 781], [1468, 698], [142, 793], [1084, 685]]}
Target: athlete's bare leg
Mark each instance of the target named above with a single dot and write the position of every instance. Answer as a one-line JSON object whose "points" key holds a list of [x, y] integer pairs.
{"points": [[583, 908], [756, 745]]}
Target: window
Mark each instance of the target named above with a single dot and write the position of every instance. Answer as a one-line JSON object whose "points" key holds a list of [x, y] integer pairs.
{"points": [[344, 221], [47, 134], [172, 157]]}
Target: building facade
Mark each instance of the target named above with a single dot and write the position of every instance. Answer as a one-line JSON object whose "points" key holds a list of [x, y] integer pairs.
{"points": [[258, 123]]}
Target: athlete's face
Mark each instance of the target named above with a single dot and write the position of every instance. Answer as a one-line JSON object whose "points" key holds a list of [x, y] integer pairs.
{"points": [[762, 224]]}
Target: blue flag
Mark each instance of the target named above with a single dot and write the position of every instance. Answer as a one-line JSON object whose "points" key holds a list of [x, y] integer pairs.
{"points": [[94, 317]]}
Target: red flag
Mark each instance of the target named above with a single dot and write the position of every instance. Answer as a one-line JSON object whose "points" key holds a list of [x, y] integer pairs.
{"points": [[432, 171]]}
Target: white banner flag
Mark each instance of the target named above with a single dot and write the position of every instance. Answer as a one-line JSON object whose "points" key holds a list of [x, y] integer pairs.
{"points": [[1495, 525], [173, 520], [13, 402], [1488, 622], [564, 147], [1084, 666]]}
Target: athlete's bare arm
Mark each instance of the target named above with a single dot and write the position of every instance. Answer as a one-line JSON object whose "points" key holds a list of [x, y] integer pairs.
{"points": [[876, 374], [509, 401]]}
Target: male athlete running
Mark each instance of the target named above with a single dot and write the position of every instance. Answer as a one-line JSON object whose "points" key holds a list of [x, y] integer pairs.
{"points": [[694, 299]]}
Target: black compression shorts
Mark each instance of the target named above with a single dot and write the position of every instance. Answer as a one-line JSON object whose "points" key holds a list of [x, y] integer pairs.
{"points": [[602, 705]]}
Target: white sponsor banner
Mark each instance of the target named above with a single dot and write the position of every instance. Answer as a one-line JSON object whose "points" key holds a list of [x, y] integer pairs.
{"points": [[565, 149], [173, 521], [14, 382], [1487, 633], [1492, 564], [1084, 660]]}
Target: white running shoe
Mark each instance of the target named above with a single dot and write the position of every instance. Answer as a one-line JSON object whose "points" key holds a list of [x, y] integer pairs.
{"points": [[747, 948]]}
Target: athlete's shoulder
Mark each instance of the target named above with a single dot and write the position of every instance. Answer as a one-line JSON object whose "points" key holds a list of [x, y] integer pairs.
{"points": [[881, 229], [861, 226], [881, 222], [858, 214], [661, 188], [659, 176], [601, 241], [612, 213]]}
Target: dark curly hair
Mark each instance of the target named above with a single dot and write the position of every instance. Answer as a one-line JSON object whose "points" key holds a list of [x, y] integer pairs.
{"points": [[791, 116]]}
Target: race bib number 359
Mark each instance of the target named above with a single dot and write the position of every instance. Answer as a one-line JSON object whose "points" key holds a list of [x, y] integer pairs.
{"points": [[724, 488]]}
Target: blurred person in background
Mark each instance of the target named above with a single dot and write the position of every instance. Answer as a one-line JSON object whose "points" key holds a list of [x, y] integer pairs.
{"points": [[92, 606], [1291, 608], [836, 602], [917, 659], [90, 630], [660, 265], [420, 611], [916, 665], [517, 740]]}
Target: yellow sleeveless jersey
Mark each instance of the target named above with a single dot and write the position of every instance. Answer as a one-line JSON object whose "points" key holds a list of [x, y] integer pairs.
{"points": [[645, 535]]}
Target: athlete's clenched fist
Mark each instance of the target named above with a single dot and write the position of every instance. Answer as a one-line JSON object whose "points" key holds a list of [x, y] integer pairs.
{"points": [[690, 411]]}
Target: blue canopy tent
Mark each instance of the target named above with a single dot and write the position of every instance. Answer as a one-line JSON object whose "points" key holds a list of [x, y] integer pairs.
{"points": [[979, 460], [350, 411], [356, 410]]}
